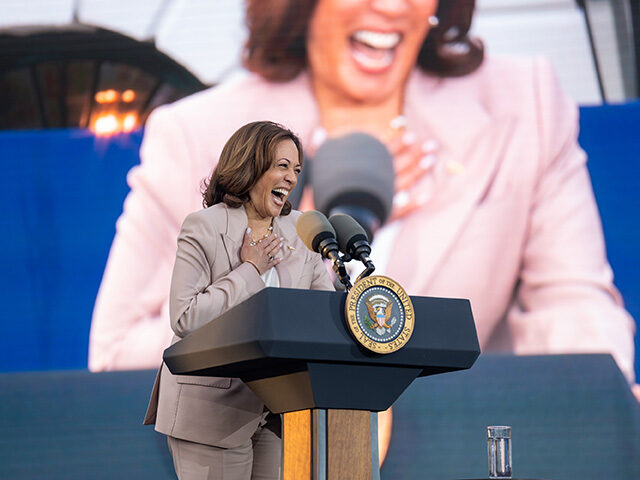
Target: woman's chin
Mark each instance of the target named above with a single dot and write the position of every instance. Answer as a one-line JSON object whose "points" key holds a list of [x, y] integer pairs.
{"points": [[373, 91], [274, 209], [277, 206], [267, 211], [372, 87]]}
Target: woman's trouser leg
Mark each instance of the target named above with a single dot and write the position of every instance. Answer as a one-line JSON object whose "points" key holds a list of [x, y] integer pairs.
{"points": [[258, 459], [194, 461], [267, 448]]}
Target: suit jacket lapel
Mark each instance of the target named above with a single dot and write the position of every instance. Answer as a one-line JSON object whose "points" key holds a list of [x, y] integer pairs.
{"points": [[233, 236], [472, 143], [284, 227]]}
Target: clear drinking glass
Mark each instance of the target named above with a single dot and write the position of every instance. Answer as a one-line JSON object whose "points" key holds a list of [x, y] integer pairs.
{"points": [[499, 451]]}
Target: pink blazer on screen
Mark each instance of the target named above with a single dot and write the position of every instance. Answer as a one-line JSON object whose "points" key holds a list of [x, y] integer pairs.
{"points": [[513, 227]]}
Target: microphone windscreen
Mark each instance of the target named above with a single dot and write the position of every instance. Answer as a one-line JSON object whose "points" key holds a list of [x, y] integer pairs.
{"points": [[348, 231], [355, 170], [313, 227]]}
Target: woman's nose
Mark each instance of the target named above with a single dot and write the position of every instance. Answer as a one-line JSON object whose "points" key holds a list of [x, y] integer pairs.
{"points": [[290, 177], [390, 7]]}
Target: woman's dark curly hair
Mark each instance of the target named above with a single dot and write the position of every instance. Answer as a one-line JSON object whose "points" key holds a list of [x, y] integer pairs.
{"points": [[246, 156], [276, 47]]}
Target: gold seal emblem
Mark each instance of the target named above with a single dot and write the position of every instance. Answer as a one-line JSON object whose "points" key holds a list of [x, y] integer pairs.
{"points": [[379, 314]]}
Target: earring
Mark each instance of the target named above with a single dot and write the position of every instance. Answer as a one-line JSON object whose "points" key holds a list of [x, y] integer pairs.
{"points": [[434, 21]]}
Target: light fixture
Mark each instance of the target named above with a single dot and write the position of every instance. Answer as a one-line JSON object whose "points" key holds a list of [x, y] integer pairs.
{"points": [[106, 124]]}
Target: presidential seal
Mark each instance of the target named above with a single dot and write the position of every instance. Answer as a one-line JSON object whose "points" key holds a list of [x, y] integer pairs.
{"points": [[379, 314]]}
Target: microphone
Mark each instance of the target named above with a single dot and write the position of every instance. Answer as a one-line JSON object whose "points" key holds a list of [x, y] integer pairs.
{"points": [[354, 175], [319, 236], [353, 241]]}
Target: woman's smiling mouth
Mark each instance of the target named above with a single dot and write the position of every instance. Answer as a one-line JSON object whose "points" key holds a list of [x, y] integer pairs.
{"points": [[374, 52], [279, 195]]}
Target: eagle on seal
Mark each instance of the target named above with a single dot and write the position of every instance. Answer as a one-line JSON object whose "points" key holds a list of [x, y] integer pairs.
{"points": [[379, 314]]}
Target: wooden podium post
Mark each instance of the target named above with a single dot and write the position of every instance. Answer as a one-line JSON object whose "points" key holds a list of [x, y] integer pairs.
{"points": [[296, 445], [331, 444]]}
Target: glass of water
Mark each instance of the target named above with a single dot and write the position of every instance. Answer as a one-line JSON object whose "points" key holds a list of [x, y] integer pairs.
{"points": [[499, 451]]}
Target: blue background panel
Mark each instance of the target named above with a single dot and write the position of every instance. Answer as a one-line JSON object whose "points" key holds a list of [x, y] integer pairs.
{"points": [[62, 192], [609, 134]]}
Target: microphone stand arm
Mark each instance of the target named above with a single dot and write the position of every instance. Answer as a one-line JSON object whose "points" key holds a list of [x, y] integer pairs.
{"points": [[360, 250], [369, 267], [328, 249]]}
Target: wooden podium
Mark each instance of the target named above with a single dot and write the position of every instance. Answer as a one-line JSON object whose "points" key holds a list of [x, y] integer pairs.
{"points": [[292, 348]]}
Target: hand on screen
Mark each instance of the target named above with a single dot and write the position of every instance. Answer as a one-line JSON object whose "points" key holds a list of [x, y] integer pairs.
{"points": [[413, 158]]}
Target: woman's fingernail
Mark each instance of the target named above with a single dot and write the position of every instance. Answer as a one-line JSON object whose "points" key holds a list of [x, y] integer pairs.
{"points": [[280, 244], [318, 137], [430, 146], [401, 199], [427, 162], [408, 138], [248, 230], [398, 122]]}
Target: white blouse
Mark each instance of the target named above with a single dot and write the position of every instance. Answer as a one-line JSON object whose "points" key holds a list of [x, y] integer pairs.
{"points": [[270, 277]]}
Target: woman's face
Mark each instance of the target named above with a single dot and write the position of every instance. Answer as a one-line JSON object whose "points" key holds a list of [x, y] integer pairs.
{"points": [[268, 195], [365, 49]]}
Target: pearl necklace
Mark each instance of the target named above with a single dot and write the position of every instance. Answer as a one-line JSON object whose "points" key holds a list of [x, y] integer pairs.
{"points": [[253, 242]]}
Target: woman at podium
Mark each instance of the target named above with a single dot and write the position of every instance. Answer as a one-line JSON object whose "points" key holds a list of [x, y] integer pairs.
{"points": [[243, 241]]}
